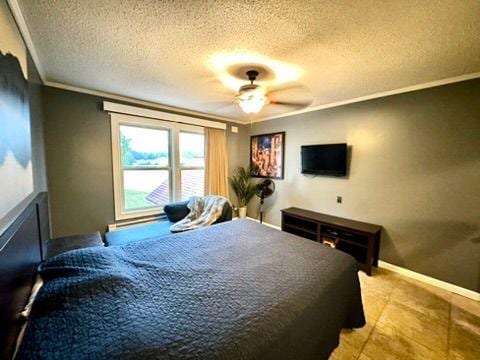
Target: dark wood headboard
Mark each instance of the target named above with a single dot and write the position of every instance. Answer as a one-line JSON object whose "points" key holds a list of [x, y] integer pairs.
{"points": [[22, 248]]}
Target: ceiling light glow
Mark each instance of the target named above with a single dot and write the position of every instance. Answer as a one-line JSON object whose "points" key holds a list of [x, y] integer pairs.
{"points": [[251, 99], [221, 62]]}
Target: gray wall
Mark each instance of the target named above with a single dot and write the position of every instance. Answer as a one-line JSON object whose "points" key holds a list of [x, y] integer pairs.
{"points": [[79, 161], [414, 168]]}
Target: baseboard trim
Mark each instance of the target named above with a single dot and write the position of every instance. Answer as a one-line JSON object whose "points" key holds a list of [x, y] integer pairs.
{"points": [[414, 275], [264, 223], [430, 280]]}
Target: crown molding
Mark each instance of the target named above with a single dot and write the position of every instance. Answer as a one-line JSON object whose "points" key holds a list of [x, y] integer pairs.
{"points": [[422, 86], [23, 28], [407, 89]]}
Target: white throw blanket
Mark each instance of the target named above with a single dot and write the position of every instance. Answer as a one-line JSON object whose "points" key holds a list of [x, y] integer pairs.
{"points": [[204, 211]]}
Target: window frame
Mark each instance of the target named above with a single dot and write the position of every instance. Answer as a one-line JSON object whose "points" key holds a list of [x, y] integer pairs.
{"points": [[174, 169], [179, 167]]}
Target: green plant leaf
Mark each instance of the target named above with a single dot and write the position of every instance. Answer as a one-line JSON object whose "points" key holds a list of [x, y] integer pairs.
{"points": [[242, 185]]}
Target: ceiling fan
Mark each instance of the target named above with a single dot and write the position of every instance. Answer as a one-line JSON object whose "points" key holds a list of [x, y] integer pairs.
{"points": [[253, 97]]}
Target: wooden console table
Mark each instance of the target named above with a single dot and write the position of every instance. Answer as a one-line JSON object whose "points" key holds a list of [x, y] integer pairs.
{"points": [[359, 239]]}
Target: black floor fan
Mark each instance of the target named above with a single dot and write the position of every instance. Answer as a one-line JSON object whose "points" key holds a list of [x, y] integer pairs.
{"points": [[265, 189]]}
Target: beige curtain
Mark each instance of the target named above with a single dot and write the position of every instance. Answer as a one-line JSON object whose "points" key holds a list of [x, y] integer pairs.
{"points": [[216, 162]]}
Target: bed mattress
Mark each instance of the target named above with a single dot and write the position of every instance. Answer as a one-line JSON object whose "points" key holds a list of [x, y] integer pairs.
{"points": [[236, 290]]}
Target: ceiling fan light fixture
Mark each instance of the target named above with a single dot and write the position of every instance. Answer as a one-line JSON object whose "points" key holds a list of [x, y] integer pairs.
{"points": [[251, 97], [252, 101], [252, 106]]}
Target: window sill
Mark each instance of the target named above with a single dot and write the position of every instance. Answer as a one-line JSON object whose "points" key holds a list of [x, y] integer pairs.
{"points": [[138, 216], [137, 220]]}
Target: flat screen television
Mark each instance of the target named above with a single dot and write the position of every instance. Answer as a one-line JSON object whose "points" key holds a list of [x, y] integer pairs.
{"points": [[328, 159]]}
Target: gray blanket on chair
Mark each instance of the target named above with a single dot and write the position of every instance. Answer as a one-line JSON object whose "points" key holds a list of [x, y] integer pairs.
{"points": [[204, 211]]}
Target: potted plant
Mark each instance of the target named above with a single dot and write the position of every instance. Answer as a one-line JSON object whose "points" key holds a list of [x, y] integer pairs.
{"points": [[244, 188]]}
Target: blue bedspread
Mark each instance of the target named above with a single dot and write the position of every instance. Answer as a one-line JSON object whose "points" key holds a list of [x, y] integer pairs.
{"points": [[236, 290]]}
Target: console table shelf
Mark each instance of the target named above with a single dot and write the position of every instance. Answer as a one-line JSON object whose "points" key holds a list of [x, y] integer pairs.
{"points": [[359, 239]]}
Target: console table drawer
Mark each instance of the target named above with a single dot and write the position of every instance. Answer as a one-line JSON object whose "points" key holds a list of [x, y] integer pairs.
{"points": [[345, 235]]}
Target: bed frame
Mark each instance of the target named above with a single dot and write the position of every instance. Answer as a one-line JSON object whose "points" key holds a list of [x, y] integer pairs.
{"points": [[22, 248]]}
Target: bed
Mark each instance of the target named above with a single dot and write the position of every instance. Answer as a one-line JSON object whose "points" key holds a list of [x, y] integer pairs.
{"points": [[236, 290]]}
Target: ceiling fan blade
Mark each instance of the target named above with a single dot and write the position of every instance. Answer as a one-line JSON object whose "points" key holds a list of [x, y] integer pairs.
{"points": [[287, 86], [220, 105], [227, 109], [293, 94], [214, 86], [274, 109], [300, 103]]}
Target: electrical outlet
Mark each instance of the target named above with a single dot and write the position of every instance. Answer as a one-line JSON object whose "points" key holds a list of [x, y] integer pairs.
{"points": [[339, 199]]}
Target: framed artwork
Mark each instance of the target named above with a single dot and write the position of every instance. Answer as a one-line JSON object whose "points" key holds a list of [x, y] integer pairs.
{"points": [[16, 174], [267, 155]]}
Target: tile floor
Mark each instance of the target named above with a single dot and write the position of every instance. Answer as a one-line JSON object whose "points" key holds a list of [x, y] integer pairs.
{"points": [[407, 319]]}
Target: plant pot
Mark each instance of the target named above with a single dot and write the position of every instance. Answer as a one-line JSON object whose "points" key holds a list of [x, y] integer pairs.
{"points": [[242, 212]]}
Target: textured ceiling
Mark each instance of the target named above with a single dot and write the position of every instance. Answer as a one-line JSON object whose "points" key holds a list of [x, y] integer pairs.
{"points": [[173, 52]]}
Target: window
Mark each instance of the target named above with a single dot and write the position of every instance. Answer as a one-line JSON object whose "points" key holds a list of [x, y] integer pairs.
{"points": [[145, 166], [192, 164], [155, 162]]}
